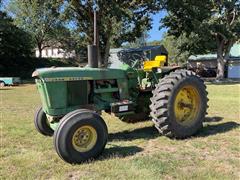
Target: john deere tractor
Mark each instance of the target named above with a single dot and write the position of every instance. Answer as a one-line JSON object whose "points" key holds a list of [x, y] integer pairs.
{"points": [[132, 88]]}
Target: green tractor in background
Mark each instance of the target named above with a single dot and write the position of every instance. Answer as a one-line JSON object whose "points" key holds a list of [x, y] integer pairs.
{"points": [[132, 89]]}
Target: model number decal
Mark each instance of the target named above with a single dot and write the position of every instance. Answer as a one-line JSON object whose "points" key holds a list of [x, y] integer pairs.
{"points": [[67, 79]]}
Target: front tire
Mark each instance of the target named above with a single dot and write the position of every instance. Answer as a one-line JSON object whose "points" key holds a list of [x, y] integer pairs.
{"points": [[41, 123], [179, 104], [80, 136]]}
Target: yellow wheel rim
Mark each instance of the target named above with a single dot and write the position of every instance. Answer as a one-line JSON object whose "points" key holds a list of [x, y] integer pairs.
{"points": [[186, 105], [84, 138]]}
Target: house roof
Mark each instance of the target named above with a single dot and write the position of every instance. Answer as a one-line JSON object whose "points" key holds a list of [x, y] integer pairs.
{"points": [[115, 50], [203, 57], [144, 48]]}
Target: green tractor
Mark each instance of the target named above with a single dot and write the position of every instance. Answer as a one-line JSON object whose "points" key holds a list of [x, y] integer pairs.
{"points": [[131, 88]]}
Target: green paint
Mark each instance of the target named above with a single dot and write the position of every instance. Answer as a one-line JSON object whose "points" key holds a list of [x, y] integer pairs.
{"points": [[54, 125], [63, 90], [59, 74], [106, 90]]}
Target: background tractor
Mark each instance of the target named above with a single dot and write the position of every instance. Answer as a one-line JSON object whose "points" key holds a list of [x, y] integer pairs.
{"points": [[132, 89]]}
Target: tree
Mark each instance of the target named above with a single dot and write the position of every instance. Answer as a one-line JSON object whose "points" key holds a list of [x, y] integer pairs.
{"points": [[70, 40], [209, 25], [139, 42], [173, 45], [154, 43], [14, 42], [120, 22], [38, 17]]}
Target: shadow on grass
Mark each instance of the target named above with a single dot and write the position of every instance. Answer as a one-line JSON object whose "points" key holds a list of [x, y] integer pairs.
{"points": [[209, 130], [120, 152], [151, 132], [213, 119], [145, 133]]}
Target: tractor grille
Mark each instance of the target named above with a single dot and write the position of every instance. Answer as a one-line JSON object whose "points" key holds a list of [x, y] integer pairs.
{"points": [[77, 93]]}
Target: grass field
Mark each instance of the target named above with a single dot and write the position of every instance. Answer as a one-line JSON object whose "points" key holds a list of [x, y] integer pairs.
{"points": [[134, 151]]}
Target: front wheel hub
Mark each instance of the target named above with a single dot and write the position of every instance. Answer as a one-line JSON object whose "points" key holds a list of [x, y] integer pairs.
{"points": [[84, 138]]}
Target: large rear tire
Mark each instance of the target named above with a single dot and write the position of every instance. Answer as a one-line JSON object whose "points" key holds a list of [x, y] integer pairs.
{"points": [[179, 104], [80, 136]]}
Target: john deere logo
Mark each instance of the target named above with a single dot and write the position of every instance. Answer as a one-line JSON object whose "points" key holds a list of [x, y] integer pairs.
{"points": [[67, 79]]}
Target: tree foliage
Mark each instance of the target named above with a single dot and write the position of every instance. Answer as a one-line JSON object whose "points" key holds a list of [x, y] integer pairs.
{"points": [[71, 40], [209, 25], [14, 42], [118, 21], [139, 42], [40, 18], [173, 45]]}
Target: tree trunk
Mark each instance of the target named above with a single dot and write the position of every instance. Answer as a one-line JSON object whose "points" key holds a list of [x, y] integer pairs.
{"points": [[220, 67], [40, 50], [220, 59], [106, 53]]}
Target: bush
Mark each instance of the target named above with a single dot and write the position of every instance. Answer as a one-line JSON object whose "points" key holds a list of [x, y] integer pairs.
{"points": [[24, 66], [14, 41]]}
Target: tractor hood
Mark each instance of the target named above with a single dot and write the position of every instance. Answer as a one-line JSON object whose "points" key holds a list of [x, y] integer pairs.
{"points": [[77, 73]]}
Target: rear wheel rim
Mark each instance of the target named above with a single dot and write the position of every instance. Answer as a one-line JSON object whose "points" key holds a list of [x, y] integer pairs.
{"points": [[186, 105], [84, 138]]}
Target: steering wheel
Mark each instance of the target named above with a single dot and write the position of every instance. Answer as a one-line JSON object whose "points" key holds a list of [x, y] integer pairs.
{"points": [[136, 60]]}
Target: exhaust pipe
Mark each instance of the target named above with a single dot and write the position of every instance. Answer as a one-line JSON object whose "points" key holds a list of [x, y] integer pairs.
{"points": [[93, 49], [92, 56]]}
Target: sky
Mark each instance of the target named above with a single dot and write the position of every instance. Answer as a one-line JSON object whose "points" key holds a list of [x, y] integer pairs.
{"points": [[155, 33]]}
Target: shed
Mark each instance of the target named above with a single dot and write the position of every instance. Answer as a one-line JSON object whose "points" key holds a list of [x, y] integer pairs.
{"points": [[203, 65], [208, 62], [233, 64]]}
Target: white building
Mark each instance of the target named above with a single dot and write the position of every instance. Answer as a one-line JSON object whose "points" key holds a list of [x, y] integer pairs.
{"points": [[55, 52]]}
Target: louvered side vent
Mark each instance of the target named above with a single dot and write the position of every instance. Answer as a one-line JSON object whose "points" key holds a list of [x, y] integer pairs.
{"points": [[77, 93]]}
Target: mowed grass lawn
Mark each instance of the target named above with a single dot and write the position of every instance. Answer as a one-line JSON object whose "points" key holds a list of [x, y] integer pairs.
{"points": [[134, 151]]}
